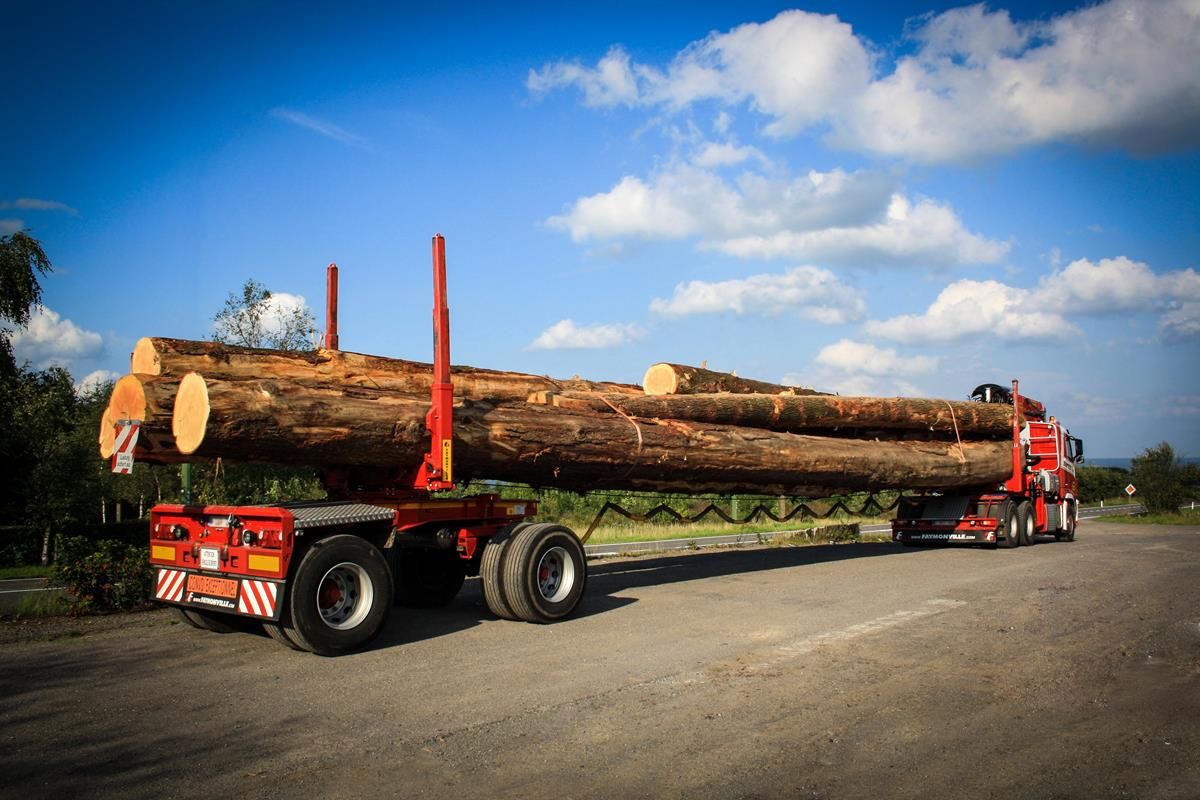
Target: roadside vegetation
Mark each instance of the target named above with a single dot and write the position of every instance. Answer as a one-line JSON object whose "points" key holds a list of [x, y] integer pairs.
{"points": [[1186, 516]]}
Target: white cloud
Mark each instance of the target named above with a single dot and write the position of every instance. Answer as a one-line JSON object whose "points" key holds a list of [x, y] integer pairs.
{"points": [[813, 292], [9, 226], [860, 368], [725, 154], [928, 234], [968, 308], [565, 334], [94, 380], [1111, 284], [34, 204], [318, 126], [850, 356], [610, 83], [839, 217], [1183, 405], [50, 339], [1122, 73]]}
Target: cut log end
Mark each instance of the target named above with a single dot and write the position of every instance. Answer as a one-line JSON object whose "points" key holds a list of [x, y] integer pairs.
{"points": [[660, 379], [145, 359], [128, 401], [190, 418]]}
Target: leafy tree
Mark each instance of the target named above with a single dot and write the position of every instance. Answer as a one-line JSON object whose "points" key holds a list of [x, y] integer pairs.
{"points": [[1098, 483], [42, 433], [21, 261], [256, 319], [1160, 476]]}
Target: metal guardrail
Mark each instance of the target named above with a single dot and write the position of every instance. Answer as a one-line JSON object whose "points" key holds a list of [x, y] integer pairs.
{"points": [[1124, 509]]}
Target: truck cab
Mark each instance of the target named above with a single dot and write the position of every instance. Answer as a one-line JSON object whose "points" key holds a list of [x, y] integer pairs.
{"points": [[1040, 497]]}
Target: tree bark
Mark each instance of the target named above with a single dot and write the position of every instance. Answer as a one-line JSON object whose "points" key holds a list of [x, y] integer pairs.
{"points": [[681, 379], [177, 357], [279, 421], [825, 414]]}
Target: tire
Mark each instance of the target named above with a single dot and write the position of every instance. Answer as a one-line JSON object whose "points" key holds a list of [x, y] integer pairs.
{"points": [[340, 597], [279, 633], [181, 615], [427, 578], [545, 572], [1008, 535], [1070, 523], [1027, 523], [491, 571], [212, 621]]}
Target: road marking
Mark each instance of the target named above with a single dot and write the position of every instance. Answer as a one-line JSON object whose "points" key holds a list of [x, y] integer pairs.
{"points": [[808, 644], [27, 591]]}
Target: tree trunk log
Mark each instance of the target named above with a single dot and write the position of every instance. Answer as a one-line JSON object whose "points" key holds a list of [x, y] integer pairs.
{"points": [[681, 379], [177, 357], [286, 422], [145, 398], [825, 414]]}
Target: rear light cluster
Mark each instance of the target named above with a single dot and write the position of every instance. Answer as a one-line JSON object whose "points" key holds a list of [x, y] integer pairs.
{"points": [[238, 535]]}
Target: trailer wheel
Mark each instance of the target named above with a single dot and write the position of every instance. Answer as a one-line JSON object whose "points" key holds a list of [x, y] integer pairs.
{"points": [[280, 634], [427, 578], [544, 573], [208, 620], [340, 597], [1027, 523], [1009, 532], [491, 571], [181, 615]]}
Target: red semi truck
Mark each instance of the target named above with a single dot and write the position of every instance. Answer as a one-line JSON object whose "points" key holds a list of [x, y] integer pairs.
{"points": [[1041, 496], [323, 576]]}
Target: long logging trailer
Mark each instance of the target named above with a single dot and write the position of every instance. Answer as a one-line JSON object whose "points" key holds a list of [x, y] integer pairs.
{"points": [[390, 436]]}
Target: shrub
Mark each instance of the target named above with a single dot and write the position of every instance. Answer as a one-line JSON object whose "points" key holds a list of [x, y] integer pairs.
{"points": [[112, 575], [1159, 477], [1100, 483]]}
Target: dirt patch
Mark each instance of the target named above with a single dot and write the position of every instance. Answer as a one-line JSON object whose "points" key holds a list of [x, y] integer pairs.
{"points": [[48, 629]]}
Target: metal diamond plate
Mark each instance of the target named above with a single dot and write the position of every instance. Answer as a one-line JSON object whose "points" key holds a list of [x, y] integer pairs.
{"points": [[321, 515]]}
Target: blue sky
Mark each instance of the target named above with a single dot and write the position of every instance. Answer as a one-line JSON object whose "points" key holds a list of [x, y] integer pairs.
{"points": [[900, 198]]}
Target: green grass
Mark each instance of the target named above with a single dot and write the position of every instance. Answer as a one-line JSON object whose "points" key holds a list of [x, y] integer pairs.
{"points": [[1122, 500], [1188, 517], [41, 604], [7, 573], [645, 532]]}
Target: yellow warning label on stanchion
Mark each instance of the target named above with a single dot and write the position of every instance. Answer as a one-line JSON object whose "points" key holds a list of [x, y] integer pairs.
{"points": [[447, 461]]}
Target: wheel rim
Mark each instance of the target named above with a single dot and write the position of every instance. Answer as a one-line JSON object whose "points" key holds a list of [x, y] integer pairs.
{"points": [[345, 596], [555, 574], [1014, 535], [1030, 527]]}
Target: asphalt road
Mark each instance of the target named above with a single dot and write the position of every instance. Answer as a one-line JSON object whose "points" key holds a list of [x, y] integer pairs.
{"points": [[1065, 670]]}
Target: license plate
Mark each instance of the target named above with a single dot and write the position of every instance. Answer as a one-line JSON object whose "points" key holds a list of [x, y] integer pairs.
{"points": [[210, 558]]}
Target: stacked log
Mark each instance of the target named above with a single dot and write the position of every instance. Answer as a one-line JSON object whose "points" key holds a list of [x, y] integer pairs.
{"points": [[332, 409]]}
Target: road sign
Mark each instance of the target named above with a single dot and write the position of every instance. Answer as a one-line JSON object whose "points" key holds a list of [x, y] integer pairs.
{"points": [[127, 436], [1130, 489]]}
